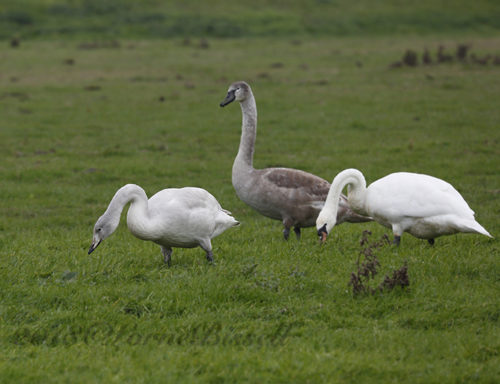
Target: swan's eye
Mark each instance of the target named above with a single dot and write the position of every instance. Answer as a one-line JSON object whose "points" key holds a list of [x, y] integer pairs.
{"points": [[99, 229]]}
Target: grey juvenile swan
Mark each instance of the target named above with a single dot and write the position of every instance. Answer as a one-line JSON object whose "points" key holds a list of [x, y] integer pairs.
{"points": [[292, 196], [172, 218]]}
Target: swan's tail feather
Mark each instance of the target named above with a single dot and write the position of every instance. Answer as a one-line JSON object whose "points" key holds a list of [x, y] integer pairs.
{"points": [[226, 211], [473, 226], [226, 217], [224, 221]]}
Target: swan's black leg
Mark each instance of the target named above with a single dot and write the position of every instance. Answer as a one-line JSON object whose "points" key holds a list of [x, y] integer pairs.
{"points": [[210, 256], [297, 232], [397, 240], [167, 255], [430, 241], [287, 223], [286, 233], [206, 245]]}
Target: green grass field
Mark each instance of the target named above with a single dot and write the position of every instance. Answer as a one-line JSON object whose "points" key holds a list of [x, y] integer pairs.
{"points": [[42, 19], [82, 116]]}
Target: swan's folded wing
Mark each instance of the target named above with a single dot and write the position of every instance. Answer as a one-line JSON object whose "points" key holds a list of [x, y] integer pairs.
{"points": [[414, 195], [310, 187]]}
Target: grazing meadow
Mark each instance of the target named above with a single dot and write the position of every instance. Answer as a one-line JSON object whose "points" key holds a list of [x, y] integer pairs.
{"points": [[81, 116]]}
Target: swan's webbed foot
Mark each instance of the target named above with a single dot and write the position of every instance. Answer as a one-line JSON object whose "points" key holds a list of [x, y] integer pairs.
{"points": [[297, 232], [167, 255], [430, 241], [397, 240]]}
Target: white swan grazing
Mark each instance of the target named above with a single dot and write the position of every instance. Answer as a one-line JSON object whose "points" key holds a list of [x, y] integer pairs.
{"points": [[292, 196], [424, 206], [172, 218]]}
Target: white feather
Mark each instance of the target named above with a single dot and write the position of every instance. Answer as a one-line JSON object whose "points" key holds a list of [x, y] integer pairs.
{"points": [[422, 205], [176, 217]]}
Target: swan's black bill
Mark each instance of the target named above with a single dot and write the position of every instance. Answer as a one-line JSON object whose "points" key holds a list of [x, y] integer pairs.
{"points": [[93, 247], [229, 99], [323, 234]]}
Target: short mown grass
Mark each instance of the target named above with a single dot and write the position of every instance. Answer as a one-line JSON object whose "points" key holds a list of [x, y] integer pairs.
{"points": [[78, 122], [97, 19]]}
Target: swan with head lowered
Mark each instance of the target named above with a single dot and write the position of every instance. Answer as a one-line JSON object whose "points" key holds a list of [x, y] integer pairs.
{"points": [[292, 196], [424, 206], [172, 218]]}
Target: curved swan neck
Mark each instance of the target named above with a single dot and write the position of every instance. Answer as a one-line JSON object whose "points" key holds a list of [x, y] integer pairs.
{"points": [[129, 193], [356, 189], [248, 130]]}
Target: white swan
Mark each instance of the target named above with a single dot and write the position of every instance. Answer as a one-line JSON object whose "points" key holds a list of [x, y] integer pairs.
{"points": [[292, 196], [175, 217], [424, 206]]}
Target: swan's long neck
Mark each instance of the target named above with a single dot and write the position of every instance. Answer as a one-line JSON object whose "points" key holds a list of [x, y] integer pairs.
{"points": [[248, 131], [138, 212], [356, 190]]}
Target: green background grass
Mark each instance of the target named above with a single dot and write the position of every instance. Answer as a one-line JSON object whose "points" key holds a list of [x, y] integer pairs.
{"points": [[222, 18], [90, 102]]}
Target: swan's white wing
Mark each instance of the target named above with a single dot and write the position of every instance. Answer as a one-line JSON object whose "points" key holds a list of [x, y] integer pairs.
{"points": [[415, 195], [183, 213], [190, 213], [186, 199]]}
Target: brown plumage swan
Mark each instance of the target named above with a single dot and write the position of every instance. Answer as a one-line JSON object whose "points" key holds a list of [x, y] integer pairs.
{"points": [[290, 195]]}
